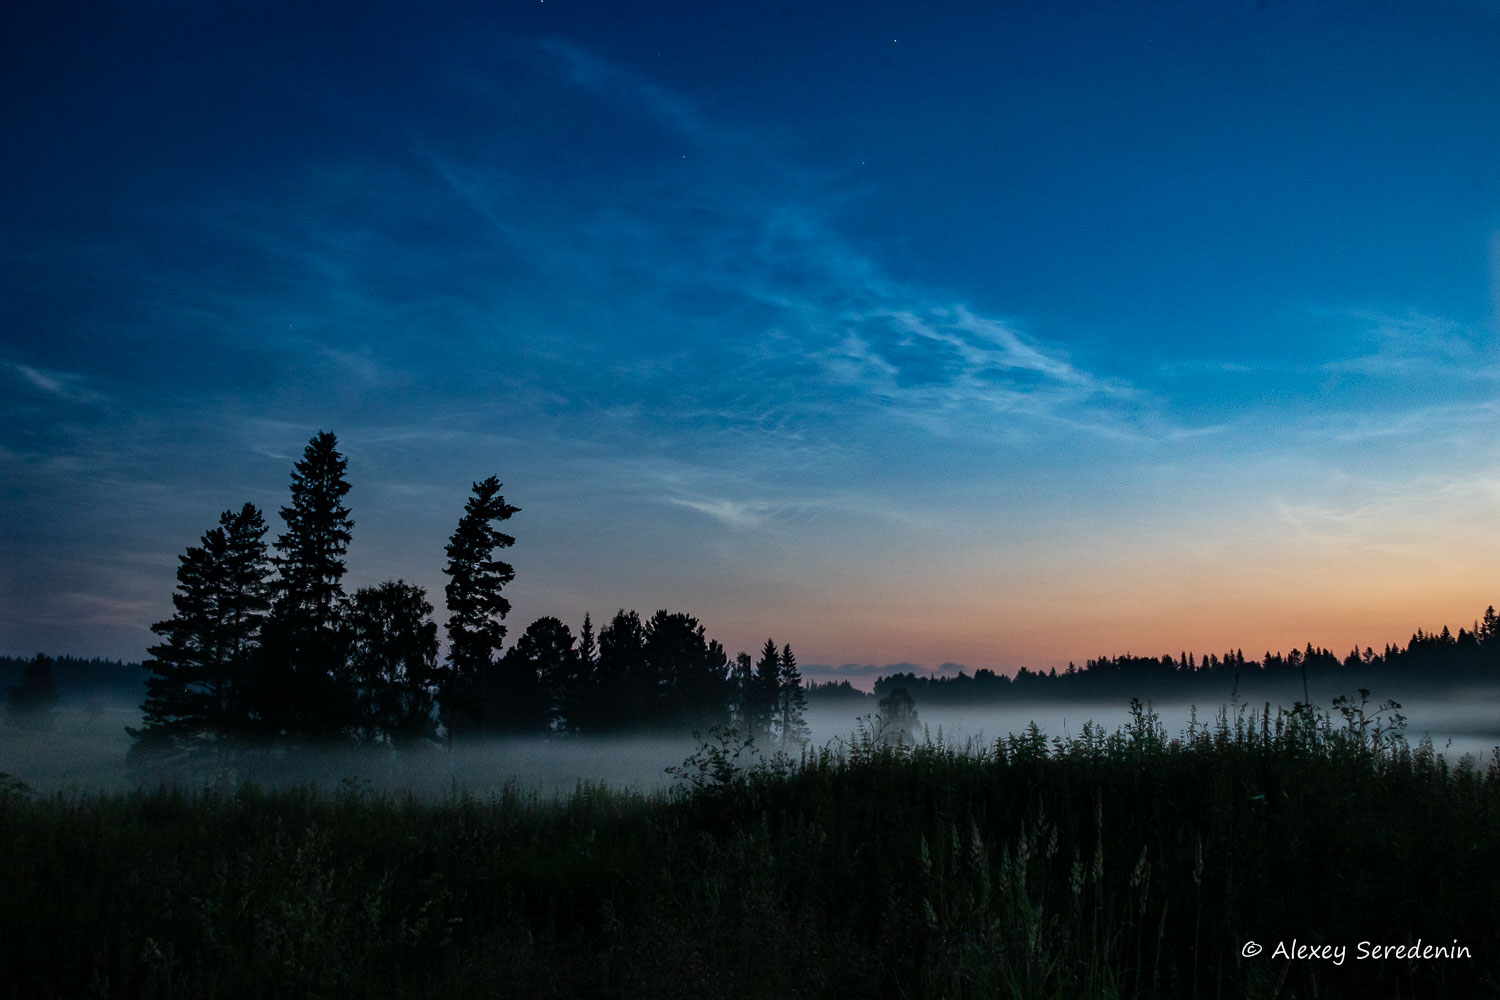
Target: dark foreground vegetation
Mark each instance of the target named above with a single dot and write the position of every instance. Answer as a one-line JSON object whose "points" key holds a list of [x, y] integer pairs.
{"points": [[1110, 865]]}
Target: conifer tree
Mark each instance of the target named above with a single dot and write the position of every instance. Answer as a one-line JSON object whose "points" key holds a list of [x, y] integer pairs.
{"points": [[244, 602], [175, 714], [310, 554], [476, 607], [577, 690], [792, 700], [588, 648], [196, 692], [304, 687], [1489, 627], [764, 687]]}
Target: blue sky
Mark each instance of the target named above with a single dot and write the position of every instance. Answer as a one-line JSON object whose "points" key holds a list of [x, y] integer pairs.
{"points": [[931, 333]]}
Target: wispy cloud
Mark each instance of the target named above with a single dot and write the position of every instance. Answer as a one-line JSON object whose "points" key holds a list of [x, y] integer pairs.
{"points": [[1390, 513], [1417, 344], [734, 514], [1431, 424], [744, 262], [78, 608], [70, 386], [616, 82]]}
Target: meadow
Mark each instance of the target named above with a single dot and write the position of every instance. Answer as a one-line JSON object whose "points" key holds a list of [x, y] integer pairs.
{"points": [[1130, 863]]}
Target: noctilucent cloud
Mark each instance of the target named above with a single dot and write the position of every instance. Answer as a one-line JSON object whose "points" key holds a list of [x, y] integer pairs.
{"points": [[924, 333]]}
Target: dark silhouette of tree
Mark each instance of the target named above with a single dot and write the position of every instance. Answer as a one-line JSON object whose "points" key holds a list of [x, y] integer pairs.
{"points": [[764, 687], [476, 608], [176, 712], [29, 704], [196, 693], [535, 674], [709, 690], [743, 686], [393, 659], [1488, 629], [575, 699], [898, 716], [244, 603], [304, 688], [791, 702], [310, 553], [621, 684], [588, 646], [686, 673]]}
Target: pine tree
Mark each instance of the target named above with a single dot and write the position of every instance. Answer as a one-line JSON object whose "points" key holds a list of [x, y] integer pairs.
{"points": [[310, 554], [1489, 627], [304, 687], [476, 607], [196, 692], [576, 705], [175, 714], [244, 602], [792, 711], [29, 704], [588, 648], [764, 687]]}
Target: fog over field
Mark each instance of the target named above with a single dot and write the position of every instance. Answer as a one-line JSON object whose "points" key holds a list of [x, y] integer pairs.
{"points": [[85, 748]]}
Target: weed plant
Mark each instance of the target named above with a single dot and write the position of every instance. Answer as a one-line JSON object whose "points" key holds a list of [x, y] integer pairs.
{"points": [[1123, 864]]}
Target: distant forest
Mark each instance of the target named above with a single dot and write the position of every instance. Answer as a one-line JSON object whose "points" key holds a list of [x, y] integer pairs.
{"points": [[1431, 661], [270, 647]]}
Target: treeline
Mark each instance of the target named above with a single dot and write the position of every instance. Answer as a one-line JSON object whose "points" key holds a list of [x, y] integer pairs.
{"points": [[77, 676], [266, 645], [1431, 660]]}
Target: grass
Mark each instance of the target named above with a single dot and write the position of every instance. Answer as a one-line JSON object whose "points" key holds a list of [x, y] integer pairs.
{"points": [[1120, 864]]}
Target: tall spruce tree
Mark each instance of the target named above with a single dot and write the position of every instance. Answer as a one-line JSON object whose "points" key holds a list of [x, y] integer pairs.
{"points": [[304, 688], [477, 608], [244, 603], [577, 706], [792, 702], [175, 714], [195, 695], [764, 686], [310, 554]]}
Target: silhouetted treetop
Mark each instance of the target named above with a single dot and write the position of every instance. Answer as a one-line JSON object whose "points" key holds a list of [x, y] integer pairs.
{"points": [[477, 607], [310, 553]]}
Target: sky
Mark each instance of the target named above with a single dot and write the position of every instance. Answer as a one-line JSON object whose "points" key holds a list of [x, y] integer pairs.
{"points": [[931, 334]]}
